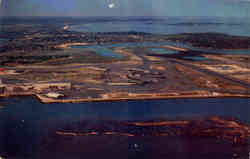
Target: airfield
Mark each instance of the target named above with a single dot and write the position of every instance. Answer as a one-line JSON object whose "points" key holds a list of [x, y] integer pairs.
{"points": [[59, 65]]}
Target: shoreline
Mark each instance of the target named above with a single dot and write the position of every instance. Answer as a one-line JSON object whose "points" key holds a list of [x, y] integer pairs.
{"points": [[125, 96], [44, 99], [68, 45], [47, 100]]}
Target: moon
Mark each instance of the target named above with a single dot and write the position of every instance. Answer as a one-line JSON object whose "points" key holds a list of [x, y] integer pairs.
{"points": [[111, 5]]}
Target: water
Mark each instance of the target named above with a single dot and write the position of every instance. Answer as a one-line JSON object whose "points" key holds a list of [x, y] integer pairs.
{"points": [[2, 41], [170, 25], [25, 123], [162, 51], [195, 58], [219, 51], [104, 51], [167, 25], [129, 45], [163, 25], [30, 109], [140, 44]]}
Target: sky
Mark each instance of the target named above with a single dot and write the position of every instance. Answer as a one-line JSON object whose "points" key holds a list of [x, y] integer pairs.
{"points": [[219, 8]]}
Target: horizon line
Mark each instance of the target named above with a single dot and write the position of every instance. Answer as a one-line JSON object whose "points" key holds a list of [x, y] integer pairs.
{"points": [[100, 16]]}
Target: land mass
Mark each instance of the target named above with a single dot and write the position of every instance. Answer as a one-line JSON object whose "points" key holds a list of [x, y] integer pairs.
{"points": [[60, 65]]}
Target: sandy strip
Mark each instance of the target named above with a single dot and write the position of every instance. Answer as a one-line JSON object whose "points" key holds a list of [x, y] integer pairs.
{"points": [[175, 48], [67, 45]]}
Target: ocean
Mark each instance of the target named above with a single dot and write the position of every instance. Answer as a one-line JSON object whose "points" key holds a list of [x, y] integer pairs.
{"points": [[166, 25], [26, 126], [159, 25]]}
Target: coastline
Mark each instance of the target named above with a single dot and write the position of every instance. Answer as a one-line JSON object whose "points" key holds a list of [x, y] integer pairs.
{"points": [[68, 45], [134, 97], [45, 99]]}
